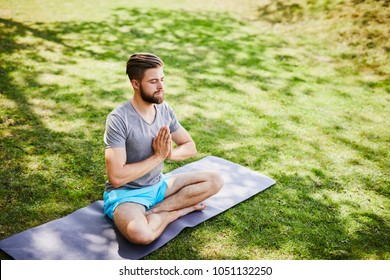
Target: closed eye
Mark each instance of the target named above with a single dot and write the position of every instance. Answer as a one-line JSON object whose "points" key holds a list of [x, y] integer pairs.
{"points": [[153, 81]]}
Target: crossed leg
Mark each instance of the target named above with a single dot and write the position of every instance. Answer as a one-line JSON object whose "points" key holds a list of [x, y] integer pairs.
{"points": [[184, 193]]}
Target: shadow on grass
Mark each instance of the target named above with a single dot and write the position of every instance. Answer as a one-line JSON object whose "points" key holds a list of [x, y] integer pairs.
{"points": [[46, 173], [51, 132], [43, 165]]}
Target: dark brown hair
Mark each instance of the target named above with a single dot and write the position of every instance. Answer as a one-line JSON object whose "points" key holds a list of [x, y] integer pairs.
{"points": [[140, 62]]}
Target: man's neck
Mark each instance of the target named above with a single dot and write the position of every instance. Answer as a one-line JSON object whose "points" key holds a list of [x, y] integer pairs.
{"points": [[141, 106], [145, 109]]}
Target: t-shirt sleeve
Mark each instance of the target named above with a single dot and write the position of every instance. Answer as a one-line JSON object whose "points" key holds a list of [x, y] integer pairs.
{"points": [[174, 123], [115, 134]]}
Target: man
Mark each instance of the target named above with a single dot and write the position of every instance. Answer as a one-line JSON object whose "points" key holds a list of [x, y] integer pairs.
{"points": [[138, 138]]}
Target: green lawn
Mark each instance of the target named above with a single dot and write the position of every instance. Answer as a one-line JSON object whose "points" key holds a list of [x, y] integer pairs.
{"points": [[296, 90]]}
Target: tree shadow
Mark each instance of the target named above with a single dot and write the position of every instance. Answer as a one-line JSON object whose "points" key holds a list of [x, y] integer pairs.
{"points": [[40, 165]]}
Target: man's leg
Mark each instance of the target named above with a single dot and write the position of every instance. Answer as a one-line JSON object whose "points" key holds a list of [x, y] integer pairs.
{"points": [[141, 228], [188, 189], [184, 194]]}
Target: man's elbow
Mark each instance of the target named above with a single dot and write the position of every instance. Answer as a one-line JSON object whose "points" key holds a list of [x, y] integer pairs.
{"points": [[115, 182], [193, 150]]}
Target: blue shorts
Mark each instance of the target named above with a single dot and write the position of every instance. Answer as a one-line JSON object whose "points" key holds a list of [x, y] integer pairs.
{"points": [[147, 196]]}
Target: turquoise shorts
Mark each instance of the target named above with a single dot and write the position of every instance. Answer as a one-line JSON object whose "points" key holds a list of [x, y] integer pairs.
{"points": [[147, 196]]}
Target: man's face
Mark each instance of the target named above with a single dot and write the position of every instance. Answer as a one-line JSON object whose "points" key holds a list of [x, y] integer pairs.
{"points": [[152, 86]]}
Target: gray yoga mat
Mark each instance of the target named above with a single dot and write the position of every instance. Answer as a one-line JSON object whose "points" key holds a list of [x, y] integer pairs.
{"points": [[88, 234]]}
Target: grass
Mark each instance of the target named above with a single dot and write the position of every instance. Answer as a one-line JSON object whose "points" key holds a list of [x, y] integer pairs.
{"points": [[297, 90]]}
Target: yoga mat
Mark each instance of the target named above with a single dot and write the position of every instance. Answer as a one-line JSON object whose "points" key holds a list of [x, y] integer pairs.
{"points": [[87, 234]]}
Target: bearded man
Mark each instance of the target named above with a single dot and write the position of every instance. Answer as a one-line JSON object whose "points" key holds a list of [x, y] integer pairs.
{"points": [[139, 136]]}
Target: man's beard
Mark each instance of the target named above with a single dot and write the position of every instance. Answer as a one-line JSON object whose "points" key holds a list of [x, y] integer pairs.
{"points": [[151, 98]]}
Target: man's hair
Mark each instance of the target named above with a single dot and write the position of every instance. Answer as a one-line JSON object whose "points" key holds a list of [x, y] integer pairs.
{"points": [[140, 62]]}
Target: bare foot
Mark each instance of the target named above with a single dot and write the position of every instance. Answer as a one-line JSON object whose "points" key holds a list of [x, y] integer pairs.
{"points": [[187, 210], [184, 211]]}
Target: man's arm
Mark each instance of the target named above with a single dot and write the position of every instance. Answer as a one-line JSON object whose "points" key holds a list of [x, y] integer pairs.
{"points": [[186, 147], [120, 173]]}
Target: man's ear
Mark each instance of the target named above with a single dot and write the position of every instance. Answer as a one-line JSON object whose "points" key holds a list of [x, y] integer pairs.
{"points": [[135, 84]]}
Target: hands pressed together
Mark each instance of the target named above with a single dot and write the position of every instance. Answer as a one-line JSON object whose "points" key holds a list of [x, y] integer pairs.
{"points": [[162, 143]]}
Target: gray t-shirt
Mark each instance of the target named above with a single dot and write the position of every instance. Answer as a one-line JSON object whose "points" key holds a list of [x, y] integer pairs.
{"points": [[126, 128]]}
